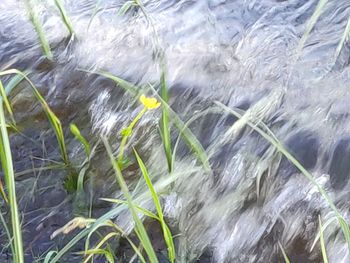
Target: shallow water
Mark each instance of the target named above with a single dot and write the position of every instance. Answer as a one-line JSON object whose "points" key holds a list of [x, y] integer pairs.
{"points": [[245, 54]]}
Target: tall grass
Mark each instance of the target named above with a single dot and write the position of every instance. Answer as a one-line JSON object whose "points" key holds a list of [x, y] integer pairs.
{"points": [[189, 138], [139, 227], [34, 17], [54, 121], [7, 167], [6, 158], [284, 254], [76, 132], [311, 24], [5, 99], [322, 243], [166, 231], [165, 123], [344, 39], [66, 20]]}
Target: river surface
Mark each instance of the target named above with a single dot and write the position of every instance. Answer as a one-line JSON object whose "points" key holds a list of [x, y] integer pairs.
{"points": [[244, 54]]}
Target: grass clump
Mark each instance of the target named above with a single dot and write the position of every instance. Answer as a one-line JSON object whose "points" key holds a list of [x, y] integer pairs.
{"points": [[135, 210]]}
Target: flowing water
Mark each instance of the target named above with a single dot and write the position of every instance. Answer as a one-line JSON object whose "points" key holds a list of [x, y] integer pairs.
{"points": [[244, 54]]}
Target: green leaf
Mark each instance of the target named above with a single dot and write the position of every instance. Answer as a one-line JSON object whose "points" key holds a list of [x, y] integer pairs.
{"points": [[139, 227], [39, 29], [64, 16], [76, 132], [166, 231]]}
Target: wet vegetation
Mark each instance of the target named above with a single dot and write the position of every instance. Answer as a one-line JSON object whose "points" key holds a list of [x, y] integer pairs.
{"points": [[101, 235]]}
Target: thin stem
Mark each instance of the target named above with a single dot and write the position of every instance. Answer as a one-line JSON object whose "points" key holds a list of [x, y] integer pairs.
{"points": [[127, 134]]}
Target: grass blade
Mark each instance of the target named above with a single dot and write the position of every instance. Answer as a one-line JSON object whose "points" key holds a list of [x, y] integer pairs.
{"points": [[39, 29], [166, 232], [2, 192], [7, 231], [286, 259], [311, 24], [64, 16], [5, 99], [15, 80], [122, 232], [189, 138], [165, 129], [49, 256], [76, 132], [125, 7], [139, 208], [54, 121], [127, 86], [7, 167], [97, 250], [323, 247], [344, 39], [139, 227]]}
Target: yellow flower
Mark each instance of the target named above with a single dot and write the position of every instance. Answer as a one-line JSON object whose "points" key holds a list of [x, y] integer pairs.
{"points": [[149, 103]]}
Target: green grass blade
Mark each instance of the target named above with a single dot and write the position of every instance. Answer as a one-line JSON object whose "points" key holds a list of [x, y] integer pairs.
{"points": [[344, 39], [323, 247], [39, 29], [5, 99], [7, 230], [127, 86], [165, 128], [189, 138], [167, 236], [97, 250], [286, 259], [14, 81], [6, 163], [139, 227], [324, 226], [122, 232], [125, 7], [49, 256], [311, 24], [64, 16], [76, 132], [54, 121], [345, 229], [188, 123], [2, 192], [139, 208]]}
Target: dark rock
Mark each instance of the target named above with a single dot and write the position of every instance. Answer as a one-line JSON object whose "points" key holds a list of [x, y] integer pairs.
{"points": [[304, 147], [340, 165]]}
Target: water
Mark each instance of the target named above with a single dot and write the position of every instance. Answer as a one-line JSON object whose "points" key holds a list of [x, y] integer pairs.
{"points": [[241, 53]]}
